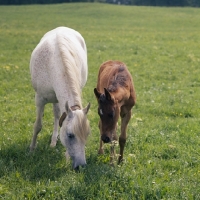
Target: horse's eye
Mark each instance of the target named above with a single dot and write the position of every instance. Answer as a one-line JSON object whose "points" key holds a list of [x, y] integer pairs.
{"points": [[70, 135]]}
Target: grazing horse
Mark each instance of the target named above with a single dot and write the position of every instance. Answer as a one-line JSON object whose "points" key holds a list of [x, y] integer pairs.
{"points": [[59, 71], [116, 96]]}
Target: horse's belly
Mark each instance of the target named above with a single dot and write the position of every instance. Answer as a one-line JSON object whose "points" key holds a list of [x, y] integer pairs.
{"points": [[44, 90], [49, 97]]}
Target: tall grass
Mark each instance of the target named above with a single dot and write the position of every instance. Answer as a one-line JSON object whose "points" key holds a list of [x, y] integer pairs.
{"points": [[162, 155]]}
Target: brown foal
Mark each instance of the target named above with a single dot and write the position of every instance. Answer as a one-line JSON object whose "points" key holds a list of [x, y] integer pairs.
{"points": [[116, 96]]}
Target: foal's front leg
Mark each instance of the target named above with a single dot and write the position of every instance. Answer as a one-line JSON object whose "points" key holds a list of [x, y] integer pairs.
{"points": [[38, 123], [122, 138], [100, 151], [56, 111]]}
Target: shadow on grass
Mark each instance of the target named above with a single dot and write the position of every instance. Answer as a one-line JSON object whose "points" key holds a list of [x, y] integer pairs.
{"points": [[47, 163], [99, 180], [44, 163]]}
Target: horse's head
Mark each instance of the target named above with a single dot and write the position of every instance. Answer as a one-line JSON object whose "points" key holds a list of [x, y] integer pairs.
{"points": [[73, 133], [108, 110]]}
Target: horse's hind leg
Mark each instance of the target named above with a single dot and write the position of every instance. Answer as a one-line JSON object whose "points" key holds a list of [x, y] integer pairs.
{"points": [[56, 111], [38, 123], [122, 137]]}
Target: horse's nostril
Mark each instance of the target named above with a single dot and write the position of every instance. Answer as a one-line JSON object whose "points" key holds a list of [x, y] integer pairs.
{"points": [[83, 166], [105, 139], [78, 168]]}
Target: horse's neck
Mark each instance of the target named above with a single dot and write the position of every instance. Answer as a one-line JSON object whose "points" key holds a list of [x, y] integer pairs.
{"points": [[72, 101], [75, 102]]}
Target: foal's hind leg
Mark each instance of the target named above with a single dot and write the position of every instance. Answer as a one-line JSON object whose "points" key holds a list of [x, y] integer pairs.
{"points": [[38, 123], [56, 111], [122, 137]]}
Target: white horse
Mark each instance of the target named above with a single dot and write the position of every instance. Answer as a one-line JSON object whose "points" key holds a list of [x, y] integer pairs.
{"points": [[59, 71]]}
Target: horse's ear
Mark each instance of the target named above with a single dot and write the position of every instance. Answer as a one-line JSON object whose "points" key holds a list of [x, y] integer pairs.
{"points": [[97, 94], [62, 118], [86, 109], [68, 109], [107, 94]]}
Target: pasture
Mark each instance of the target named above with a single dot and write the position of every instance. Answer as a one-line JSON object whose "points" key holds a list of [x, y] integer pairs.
{"points": [[161, 48]]}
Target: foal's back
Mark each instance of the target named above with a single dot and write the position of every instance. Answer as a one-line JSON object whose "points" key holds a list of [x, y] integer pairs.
{"points": [[115, 77]]}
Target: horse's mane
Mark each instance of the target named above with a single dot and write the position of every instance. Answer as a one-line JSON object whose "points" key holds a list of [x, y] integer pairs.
{"points": [[81, 126], [70, 52]]}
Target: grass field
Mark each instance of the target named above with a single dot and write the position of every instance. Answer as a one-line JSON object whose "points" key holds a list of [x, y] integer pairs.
{"points": [[162, 156]]}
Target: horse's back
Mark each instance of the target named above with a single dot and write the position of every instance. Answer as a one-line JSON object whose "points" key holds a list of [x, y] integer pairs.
{"points": [[58, 49], [66, 31]]}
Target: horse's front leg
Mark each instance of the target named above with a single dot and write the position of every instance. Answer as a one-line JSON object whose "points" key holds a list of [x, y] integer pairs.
{"points": [[100, 151], [122, 138], [56, 111], [38, 123]]}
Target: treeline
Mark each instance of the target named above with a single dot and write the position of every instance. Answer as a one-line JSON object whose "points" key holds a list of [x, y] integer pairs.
{"points": [[25, 2], [193, 3]]}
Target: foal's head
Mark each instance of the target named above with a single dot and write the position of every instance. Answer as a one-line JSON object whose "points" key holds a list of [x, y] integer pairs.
{"points": [[108, 110], [74, 131]]}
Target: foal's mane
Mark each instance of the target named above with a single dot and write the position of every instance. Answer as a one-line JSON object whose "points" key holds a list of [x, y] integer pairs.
{"points": [[120, 78], [69, 48]]}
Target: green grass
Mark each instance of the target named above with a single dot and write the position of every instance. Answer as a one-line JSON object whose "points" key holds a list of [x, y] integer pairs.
{"points": [[162, 155]]}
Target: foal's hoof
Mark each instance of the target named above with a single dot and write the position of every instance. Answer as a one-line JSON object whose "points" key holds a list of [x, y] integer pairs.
{"points": [[101, 151], [112, 164], [120, 161]]}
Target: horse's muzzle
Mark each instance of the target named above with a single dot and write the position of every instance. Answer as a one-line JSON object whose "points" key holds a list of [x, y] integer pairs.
{"points": [[78, 167]]}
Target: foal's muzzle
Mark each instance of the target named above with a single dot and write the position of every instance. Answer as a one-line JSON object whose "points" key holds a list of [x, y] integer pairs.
{"points": [[105, 139]]}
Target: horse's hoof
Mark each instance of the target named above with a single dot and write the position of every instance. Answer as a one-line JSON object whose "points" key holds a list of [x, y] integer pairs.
{"points": [[53, 144], [67, 155], [32, 148]]}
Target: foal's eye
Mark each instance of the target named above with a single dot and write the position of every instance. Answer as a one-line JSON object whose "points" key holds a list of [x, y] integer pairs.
{"points": [[111, 115], [70, 135]]}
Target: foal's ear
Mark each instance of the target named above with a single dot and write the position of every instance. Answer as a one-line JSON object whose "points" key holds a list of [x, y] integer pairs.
{"points": [[86, 109], [107, 94], [97, 94], [62, 118]]}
